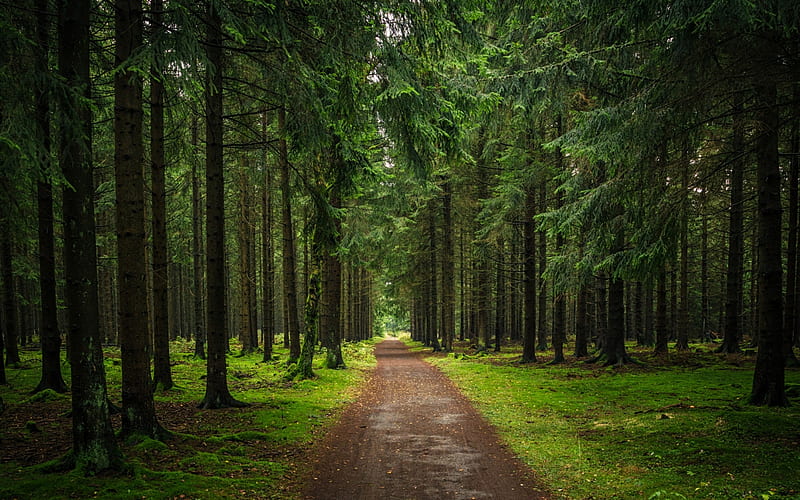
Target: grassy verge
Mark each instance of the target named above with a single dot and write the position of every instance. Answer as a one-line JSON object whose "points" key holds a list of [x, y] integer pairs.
{"points": [[253, 452], [675, 427]]}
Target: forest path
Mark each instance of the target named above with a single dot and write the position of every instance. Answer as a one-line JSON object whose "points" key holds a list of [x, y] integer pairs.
{"points": [[412, 435]]}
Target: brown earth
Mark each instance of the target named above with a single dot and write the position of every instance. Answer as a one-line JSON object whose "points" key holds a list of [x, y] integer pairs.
{"points": [[413, 435]]}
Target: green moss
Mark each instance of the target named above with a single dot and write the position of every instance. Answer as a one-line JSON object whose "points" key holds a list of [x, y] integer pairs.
{"points": [[44, 396], [637, 431], [148, 444]]}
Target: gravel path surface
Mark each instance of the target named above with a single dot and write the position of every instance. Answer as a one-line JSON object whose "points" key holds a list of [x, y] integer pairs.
{"points": [[413, 435]]}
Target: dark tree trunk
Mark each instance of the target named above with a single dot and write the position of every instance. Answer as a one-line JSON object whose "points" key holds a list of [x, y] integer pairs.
{"points": [[49, 334], [217, 393], [733, 280], [647, 334], [529, 278], [582, 323], [448, 272], [433, 299], [768, 379], [602, 310], [94, 447], [682, 343], [613, 350], [138, 410], [662, 331], [197, 252], [10, 311], [243, 257], [332, 299], [500, 301], [542, 283], [162, 373], [267, 262], [303, 369], [292, 322], [790, 312]]}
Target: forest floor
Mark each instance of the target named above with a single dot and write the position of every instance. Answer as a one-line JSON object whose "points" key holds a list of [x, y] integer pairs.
{"points": [[412, 434]]}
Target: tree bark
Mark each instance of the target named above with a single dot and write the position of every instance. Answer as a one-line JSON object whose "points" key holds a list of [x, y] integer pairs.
{"points": [[267, 261], [733, 280], [662, 331], [292, 322], [332, 299], [542, 282], [529, 277], [433, 289], [94, 447], [50, 335], [138, 410], [448, 272], [768, 378], [682, 343], [217, 393], [162, 373], [197, 252]]}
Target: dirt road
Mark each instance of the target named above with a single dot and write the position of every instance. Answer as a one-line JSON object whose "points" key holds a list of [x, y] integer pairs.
{"points": [[412, 435]]}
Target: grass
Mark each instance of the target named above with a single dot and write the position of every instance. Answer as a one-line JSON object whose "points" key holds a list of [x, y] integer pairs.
{"points": [[674, 427], [252, 452]]}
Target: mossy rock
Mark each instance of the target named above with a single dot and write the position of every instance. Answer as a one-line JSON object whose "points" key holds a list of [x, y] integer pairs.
{"points": [[45, 396]]}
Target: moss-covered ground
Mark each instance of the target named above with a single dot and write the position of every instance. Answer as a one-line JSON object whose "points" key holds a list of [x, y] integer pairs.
{"points": [[252, 452], [675, 426]]}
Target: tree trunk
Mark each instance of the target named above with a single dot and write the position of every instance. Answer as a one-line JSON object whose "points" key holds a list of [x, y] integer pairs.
{"points": [[94, 447], [197, 252], [582, 323], [243, 256], [790, 312], [138, 415], [217, 393], [332, 299], [734, 284], [448, 272], [682, 343], [768, 378], [303, 369], [10, 311], [529, 277], [662, 330], [49, 334], [267, 261], [613, 350], [289, 265], [542, 283], [433, 298], [162, 373], [500, 301]]}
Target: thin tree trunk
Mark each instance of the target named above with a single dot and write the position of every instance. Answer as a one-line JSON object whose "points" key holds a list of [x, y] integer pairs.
{"points": [[500, 301], [332, 299], [529, 277], [243, 257], [217, 393], [433, 298], [734, 285], [197, 252], [267, 261], [448, 271], [662, 331], [10, 312], [162, 373], [289, 254], [138, 416], [542, 282], [49, 334], [682, 343]]}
